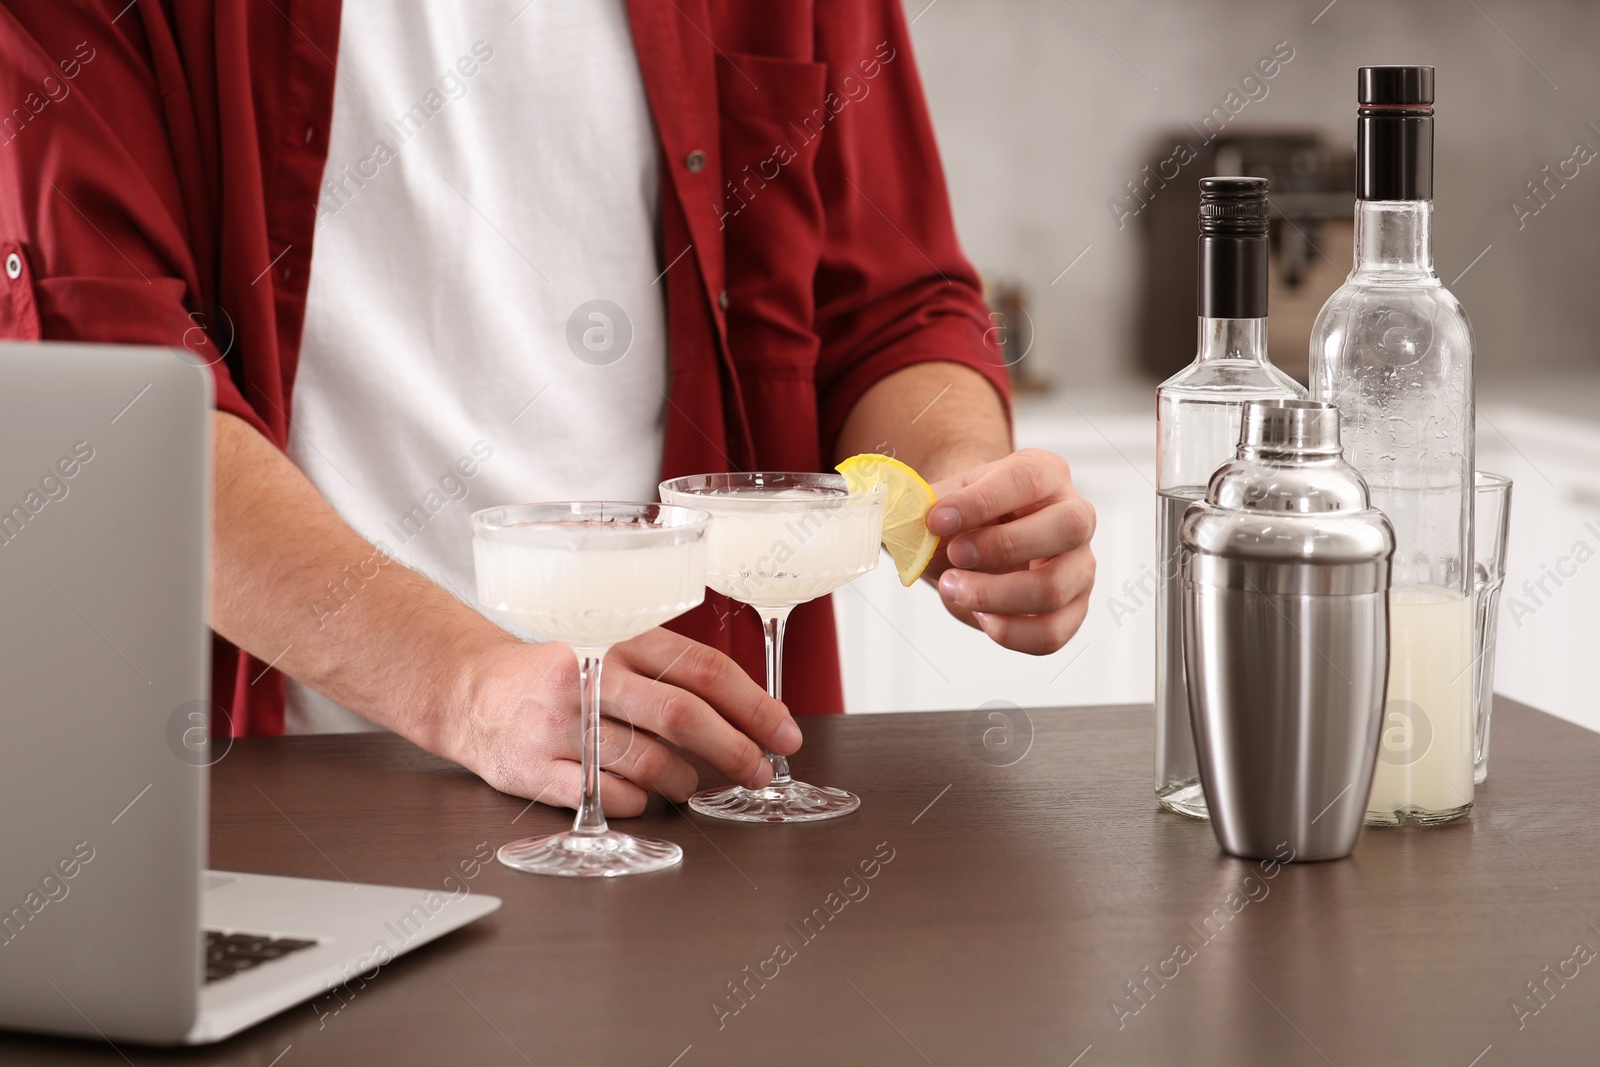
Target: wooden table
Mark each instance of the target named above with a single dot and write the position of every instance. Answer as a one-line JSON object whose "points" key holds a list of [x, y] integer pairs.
{"points": [[1009, 909]]}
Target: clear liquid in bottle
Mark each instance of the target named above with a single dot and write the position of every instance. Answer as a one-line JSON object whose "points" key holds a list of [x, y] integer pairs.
{"points": [[1199, 411]]}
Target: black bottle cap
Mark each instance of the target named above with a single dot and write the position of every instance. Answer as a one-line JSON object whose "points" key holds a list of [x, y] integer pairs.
{"points": [[1235, 206], [1394, 133], [1234, 215], [1395, 86]]}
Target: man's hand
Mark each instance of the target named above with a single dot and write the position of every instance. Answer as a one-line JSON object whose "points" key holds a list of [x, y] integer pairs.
{"points": [[520, 729], [1014, 557], [406, 654], [1015, 560]]}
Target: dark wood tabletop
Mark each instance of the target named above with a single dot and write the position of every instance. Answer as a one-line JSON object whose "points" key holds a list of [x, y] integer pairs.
{"points": [[974, 911]]}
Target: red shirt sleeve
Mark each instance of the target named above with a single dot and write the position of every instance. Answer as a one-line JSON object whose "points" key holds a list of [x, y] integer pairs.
{"points": [[893, 287], [92, 198]]}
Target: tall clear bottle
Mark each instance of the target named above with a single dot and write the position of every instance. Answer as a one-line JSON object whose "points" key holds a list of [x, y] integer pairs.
{"points": [[1393, 349], [1198, 413]]}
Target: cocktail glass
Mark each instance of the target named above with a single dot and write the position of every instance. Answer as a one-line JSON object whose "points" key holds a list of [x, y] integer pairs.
{"points": [[779, 539], [589, 574]]}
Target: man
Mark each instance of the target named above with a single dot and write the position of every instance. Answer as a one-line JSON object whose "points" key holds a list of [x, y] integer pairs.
{"points": [[539, 250]]}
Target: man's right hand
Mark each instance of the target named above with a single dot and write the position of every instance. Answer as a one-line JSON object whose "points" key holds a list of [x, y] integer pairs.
{"points": [[519, 727]]}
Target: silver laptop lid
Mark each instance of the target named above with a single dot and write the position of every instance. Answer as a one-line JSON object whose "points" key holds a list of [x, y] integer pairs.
{"points": [[104, 659]]}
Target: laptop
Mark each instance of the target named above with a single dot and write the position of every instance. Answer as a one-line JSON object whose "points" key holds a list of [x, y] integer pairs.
{"points": [[110, 925]]}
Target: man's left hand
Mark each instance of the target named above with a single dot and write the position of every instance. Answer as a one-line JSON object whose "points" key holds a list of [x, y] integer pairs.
{"points": [[1014, 556]]}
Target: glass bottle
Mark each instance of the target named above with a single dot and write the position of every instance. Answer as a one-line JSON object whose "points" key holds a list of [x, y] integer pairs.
{"points": [[1393, 349], [1198, 414]]}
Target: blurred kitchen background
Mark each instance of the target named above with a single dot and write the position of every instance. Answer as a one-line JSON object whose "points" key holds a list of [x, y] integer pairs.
{"points": [[1048, 113]]}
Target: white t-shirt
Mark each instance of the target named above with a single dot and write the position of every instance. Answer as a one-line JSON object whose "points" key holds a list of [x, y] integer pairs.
{"points": [[493, 172]]}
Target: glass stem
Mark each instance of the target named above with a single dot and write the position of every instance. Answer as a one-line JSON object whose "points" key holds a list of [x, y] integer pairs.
{"points": [[772, 623], [591, 820]]}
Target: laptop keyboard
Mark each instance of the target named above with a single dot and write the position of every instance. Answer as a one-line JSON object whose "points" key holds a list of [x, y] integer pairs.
{"points": [[231, 954]]}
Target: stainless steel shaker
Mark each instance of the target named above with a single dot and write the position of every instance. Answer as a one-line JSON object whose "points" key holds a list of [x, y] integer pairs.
{"points": [[1286, 636]]}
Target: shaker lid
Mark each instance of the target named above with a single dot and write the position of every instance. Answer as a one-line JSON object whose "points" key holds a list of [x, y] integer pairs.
{"points": [[1288, 514], [1304, 426]]}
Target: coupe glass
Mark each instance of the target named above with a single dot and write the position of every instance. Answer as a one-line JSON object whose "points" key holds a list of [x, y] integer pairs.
{"points": [[779, 539], [589, 574]]}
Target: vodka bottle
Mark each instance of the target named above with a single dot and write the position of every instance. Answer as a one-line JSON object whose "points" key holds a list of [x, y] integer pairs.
{"points": [[1393, 349], [1198, 414]]}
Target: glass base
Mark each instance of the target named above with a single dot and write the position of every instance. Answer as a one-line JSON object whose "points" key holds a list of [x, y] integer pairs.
{"points": [[1417, 815], [789, 802], [576, 855], [1185, 799]]}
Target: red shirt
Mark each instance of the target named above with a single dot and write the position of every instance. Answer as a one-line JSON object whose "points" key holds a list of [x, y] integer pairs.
{"points": [[160, 173]]}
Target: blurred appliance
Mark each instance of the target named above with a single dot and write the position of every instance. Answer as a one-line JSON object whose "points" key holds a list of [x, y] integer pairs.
{"points": [[1312, 240]]}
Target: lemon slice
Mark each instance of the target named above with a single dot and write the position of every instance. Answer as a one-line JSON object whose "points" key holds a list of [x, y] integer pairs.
{"points": [[905, 509]]}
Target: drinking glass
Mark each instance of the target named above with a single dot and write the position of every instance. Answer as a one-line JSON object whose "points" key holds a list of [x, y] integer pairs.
{"points": [[779, 539], [1491, 518], [589, 574]]}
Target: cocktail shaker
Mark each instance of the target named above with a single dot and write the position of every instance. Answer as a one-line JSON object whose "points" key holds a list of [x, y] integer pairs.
{"points": [[1286, 636]]}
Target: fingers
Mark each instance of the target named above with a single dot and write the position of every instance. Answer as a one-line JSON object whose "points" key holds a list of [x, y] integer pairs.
{"points": [[1037, 635], [644, 761], [1051, 531], [687, 721], [536, 755], [1045, 587], [720, 683], [524, 733], [524, 736], [562, 786], [1025, 479], [1016, 538]]}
